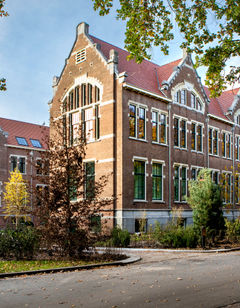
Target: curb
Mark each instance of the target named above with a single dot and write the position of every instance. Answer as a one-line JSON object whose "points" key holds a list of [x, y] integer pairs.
{"points": [[129, 260], [171, 250]]}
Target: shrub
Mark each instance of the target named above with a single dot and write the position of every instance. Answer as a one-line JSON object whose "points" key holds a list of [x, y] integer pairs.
{"points": [[120, 238], [19, 243], [173, 236], [206, 201], [232, 230]]}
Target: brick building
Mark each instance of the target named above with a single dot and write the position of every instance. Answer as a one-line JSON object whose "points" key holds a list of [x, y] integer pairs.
{"points": [[153, 127], [20, 143]]}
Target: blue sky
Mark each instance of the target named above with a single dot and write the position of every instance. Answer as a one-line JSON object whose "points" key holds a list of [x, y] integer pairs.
{"points": [[35, 40]]}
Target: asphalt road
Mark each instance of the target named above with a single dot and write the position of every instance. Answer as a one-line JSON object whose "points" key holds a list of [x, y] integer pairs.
{"points": [[159, 280]]}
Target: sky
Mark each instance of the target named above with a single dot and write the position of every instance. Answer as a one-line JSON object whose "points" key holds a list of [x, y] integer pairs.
{"points": [[35, 40]]}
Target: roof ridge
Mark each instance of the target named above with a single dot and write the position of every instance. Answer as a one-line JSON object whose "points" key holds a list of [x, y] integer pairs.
{"points": [[129, 53], [24, 122]]}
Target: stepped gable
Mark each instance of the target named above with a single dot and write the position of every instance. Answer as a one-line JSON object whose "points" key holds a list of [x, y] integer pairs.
{"points": [[141, 75], [25, 130]]}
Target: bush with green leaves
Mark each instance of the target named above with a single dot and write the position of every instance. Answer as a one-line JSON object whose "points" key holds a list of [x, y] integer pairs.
{"points": [[174, 236], [206, 201], [232, 230], [18, 243], [120, 238]]}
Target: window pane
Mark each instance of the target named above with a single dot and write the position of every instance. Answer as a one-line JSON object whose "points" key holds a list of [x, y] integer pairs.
{"points": [[183, 134], [176, 183], [176, 132], [199, 138], [35, 143], [194, 174], [193, 101], [215, 142], [184, 183], [154, 126], [163, 128], [210, 140], [139, 180], [156, 181], [21, 141], [141, 123], [21, 165], [89, 94], [224, 145], [183, 97], [77, 97], [13, 163], [90, 180], [132, 120], [193, 143], [83, 94]]}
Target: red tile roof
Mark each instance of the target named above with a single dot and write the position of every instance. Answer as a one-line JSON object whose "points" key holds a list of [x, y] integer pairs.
{"points": [[219, 106], [227, 97], [139, 75], [25, 130]]}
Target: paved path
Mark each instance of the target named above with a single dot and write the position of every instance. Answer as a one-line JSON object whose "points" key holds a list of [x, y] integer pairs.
{"points": [[159, 280]]}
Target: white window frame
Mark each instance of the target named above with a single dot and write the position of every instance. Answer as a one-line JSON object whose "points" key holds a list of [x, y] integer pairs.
{"points": [[180, 119], [231, 183], [18, 159], [145, 107], [162, 162], [237, 146], [145, 160], [159, 113], [180, 181], [227, 133]]}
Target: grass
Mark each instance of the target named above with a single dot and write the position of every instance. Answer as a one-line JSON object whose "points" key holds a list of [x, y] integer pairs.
{"points": [[19, 266]]}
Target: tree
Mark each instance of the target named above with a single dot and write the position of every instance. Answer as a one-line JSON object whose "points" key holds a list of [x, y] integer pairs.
{"points": [[70, 208], [16, 197], [210, 28], [206, 202], [2, 13]]}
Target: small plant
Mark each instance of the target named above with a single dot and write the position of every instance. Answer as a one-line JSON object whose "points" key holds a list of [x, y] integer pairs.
{"points": [[120, 238]]}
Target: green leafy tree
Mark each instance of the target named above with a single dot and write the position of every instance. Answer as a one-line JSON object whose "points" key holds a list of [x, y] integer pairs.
{"points": [[2, 13], [206, 202], [16, 197], [210, 28], [70, 204]]}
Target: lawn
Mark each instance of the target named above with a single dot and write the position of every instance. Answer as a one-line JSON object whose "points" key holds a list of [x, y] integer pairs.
{"points": [[19, 266]]}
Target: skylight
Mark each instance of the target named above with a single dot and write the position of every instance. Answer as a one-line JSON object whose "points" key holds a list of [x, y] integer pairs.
{"points": [[22, 141], [36, 143]]}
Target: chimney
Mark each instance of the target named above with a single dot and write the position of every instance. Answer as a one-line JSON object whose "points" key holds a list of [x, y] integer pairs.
{"points": [[82, 28]]}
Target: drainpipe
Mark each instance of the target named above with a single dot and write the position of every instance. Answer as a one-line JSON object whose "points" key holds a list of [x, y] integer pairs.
{"points": [[207, 134], [233, 159], [169, 157]]}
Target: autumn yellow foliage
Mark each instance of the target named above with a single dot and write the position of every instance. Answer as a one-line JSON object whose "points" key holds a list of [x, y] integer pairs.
{"points": [[16, 197]]}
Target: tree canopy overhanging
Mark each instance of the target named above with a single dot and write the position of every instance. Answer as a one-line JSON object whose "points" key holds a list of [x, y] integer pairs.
{"points": [[210, 29]]}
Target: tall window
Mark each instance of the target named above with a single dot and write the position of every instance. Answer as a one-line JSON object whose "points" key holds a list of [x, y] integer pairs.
{"points": [[83, 94], [155, 126], [193, 101], [237, 147], [77, 97], [237, 189], [13, 163], [89, 124], [159, 131], [194, 174], [89, 94], [180, 135], [97, 94], [141, 123], [137, 124], [215, 176], [97, 122], [90, 180], [199, 138], [183, 183], [210, 140], [180, 97], [157, 182], [176, 184], [194, 135], [132, 120], [176, 132], [215, 142], [227, 195], [226, 145], [183, 134], [139, 180]]}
